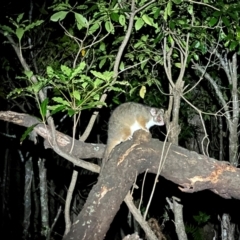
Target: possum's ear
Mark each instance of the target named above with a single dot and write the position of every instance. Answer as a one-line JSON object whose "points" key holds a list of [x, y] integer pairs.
{"points": [[153, 111]]}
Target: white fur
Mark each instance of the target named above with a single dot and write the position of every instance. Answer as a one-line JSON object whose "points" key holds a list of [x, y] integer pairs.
{"points": [[136, 126], [150, 123]]}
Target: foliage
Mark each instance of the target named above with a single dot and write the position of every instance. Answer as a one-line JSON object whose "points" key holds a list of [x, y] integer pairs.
{"points": [[196, 230], [95, 21], [20, 26]]}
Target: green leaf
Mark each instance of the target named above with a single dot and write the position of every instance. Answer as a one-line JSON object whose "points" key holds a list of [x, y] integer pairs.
{"points": [[139, 23], [235, 14], [178, 65], [196, 57], [114, 16], [108, 75], [113, 3], [61, 100], [117, 89], [35, 87], [19, 33], [169, 8], [62, 6], [144, 38], [182, 21], [213, 21], [85, 7], [43, 107], [29, 74], [93, 28], [142, 92], [122, 20], [66, 70], [81, 21], [177, 1], [96, 97], [196, 44], [109, 27], [201, 217], [19, 18], [165, 15], [158, 38], [84, 85], [79, 103], [71, 112], [50, 71], [102, 62], [33, 25], [143, 64], [102, 46], [77, 70], [122, 67], [172, 24], [58, 16], [26, 133], [157, 13], [170, 39], [76, 95], [190, 9], [233, 45], [139, 44], [56, 108], [7, 30], [97, 82], [125, 83], [217, 13], [93, 104], [238, 33], [148, 20], [98, 75], [226, 21]]}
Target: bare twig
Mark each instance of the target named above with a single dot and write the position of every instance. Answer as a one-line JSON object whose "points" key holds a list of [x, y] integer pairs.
{"points": [[178, 217], [137, 215], [160, 167], [205, 4]]}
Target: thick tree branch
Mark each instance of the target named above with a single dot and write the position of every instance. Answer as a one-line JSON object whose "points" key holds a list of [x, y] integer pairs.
{"points": [[192, 171], [64, 142]]}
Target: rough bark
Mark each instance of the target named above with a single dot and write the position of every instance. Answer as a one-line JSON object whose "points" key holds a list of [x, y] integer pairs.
{"points": [[191, 171], [194, 172], [64, 141]]}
